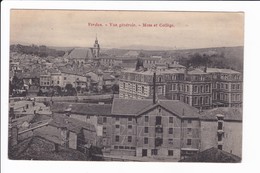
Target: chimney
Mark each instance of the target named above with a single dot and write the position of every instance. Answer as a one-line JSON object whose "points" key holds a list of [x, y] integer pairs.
{"points": [[154, 87]]}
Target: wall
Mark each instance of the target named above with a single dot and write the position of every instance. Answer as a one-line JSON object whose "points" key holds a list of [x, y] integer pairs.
{"points": [[232, 137]]}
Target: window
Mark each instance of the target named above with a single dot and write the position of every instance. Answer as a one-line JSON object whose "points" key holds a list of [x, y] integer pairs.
{"points": [[104, 130], [129, 138], [124, 85], [121, 147], [115, 147], [188, 141], [188, 130], [104, 119], [145, 140], [142, 89], [238, 86], [226, 86], [189, 121], [129, 126], [154, 152], [117, 138], [219, 137], [130, 119], [117, 118], [65, 78], [174, 87], [146, 119], [117, 126], [220, 126], [170, 130], [170, 119], [207, 88], [170, 152], [195, 89], [88, 117], [158, 120], [146, 129], [170, 141], [220, 147]]}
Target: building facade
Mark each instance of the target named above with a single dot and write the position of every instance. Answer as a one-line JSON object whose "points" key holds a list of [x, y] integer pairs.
{"points": [[203, 89], [222, 128]]}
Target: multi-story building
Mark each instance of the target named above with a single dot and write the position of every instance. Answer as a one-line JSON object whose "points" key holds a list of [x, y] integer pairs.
{"points": [[226, 87], [45, 80], [202, 89], [222, 128], [142, 128]]}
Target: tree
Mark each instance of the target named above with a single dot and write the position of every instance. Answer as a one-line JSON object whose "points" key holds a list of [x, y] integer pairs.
{"points": [[17, 83]]}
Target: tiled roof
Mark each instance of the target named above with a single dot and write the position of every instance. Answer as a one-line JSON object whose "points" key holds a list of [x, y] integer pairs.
{"points": [[107, 76], [71, 71], [234, 114], [137, 107], [79, 53], [180, 108], [71, 124], [218, 70], [38, 148], [213, 155], [82, 108], [129, 106]]}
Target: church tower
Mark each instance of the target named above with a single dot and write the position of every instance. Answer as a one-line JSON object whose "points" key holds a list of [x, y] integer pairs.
{"points": [[96, 49]]}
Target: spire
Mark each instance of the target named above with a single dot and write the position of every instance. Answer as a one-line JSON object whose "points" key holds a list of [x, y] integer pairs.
{"points": [[96, 41]]}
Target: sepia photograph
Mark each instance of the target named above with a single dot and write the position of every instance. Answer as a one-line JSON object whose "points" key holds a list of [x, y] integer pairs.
{"points": [[135, 86]]}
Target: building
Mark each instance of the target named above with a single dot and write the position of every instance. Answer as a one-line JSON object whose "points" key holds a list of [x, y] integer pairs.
{"points": [[202, 88], [227, 86], [142, 128], [95, 50], [222, 128]]}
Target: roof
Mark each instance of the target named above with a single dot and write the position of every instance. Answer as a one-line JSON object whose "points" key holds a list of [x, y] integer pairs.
{"points": [[79, 53], [129, 106], [71, 71], [74, 125], [137, 107], [213, 155], [218, 70], [230, 113], [196, 71], [107, 76], [82, 108], [38, 148]]}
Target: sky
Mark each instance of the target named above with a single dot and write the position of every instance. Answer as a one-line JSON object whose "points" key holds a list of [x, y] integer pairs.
{"points": [[68, 28]]}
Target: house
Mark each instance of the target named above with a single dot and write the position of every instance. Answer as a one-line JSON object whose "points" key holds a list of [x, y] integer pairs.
{"points": [[39, 148], [222, 128]]}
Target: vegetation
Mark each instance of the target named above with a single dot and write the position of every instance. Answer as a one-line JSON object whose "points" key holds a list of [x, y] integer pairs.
{"points": [[41, 51]]}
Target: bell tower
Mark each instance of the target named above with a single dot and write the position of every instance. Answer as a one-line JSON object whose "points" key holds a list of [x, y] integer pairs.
{"points": [[96, 49]]}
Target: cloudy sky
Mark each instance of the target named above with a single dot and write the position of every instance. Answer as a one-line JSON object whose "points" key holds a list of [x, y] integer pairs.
{"points": [[72, 29]]}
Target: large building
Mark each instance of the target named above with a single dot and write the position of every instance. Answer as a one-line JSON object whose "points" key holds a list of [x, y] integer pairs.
{"points": [[203, 89], [162, 129], [143, 128]]}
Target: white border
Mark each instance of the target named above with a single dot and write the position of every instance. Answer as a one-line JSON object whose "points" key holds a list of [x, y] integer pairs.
{"points": [[251, 94]]}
